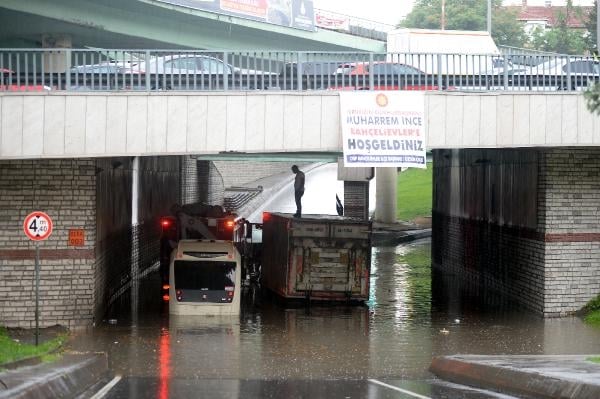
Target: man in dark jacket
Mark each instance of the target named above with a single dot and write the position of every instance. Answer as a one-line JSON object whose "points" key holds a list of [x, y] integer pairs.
{"points": [[298, 190]]}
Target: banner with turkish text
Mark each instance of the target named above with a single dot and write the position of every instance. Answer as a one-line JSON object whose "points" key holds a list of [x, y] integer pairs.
{"points": [[383, 129]]}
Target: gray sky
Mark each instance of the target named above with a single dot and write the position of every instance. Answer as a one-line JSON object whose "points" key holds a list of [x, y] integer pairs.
{"points": [[392, 11], [385, 11]]}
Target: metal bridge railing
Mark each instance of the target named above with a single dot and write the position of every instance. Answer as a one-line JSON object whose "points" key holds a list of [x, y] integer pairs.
{"points": [[158, 70]]}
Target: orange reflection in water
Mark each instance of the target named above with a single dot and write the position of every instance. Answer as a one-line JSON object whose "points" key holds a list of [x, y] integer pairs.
{"points": [[164, 364]]}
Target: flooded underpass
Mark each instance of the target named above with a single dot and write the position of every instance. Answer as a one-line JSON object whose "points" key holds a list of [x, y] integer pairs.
{"points": [[381, 349]]}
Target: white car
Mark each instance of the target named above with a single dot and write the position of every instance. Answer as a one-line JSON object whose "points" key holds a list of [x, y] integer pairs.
{"points": [[199, 71], [561, 73]]}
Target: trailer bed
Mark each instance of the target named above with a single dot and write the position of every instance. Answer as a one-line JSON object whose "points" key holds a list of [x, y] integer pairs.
{"points": [[316, 257]]}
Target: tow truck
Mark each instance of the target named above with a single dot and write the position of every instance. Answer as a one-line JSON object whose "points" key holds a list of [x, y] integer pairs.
{"points": [[199, 221]]}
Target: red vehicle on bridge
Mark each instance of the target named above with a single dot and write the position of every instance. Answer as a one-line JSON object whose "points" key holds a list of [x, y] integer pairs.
{"points": [[8, 82], [386, 76]]}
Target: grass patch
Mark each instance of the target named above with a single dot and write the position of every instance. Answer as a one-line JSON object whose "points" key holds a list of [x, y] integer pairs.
{"points": [[593, 318], [11, 351], [595, 359], [414, 193], [418, 275], [591, 312]]}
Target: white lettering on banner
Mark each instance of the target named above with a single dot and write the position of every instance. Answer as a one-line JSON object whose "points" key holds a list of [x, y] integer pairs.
{"points": [[383, 129]]}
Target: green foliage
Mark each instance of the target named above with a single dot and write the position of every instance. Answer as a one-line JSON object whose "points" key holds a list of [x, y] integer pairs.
{"points": [[468, 15], [11, 351], [414, 193], [592, 98], [560, 38], [592, 305], [418, 276], [592, 312], [594, 359], [590, 26], [506, 30], [593, 318]]}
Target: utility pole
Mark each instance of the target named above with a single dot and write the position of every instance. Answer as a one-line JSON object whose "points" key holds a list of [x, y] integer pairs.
{"points": [[443, 21], [489, 17]]}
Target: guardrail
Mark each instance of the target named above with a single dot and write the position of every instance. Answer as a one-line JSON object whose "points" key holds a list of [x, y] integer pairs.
{"points": [[157, 70]]}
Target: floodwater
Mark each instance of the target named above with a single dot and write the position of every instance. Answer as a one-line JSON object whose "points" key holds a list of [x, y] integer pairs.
{"points": [[413, 315]]}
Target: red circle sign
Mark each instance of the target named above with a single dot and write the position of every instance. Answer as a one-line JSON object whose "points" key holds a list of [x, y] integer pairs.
{"points": [[37, 226]]}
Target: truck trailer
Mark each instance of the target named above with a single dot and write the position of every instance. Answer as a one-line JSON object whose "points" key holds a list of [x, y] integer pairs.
{"points": [[445, 52], [316, 257]]}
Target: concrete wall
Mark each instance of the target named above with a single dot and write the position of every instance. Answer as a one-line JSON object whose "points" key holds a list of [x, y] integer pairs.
{"points": [[66, 190], [119, 242], [70, 124], [485, 220], [240, 173], [524, 222]]}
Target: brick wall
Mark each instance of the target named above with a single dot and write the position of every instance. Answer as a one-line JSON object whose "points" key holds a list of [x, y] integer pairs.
{"points": [[356, 199], [190, 188], [210, 179], [570, 181], [66, 190]]}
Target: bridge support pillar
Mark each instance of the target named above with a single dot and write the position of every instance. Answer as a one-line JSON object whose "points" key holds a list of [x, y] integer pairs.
{"points": [[386, 194], [56, 61], [520, 222], [356, 190]]}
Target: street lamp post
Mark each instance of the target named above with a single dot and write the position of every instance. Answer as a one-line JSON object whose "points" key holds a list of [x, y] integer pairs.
{"points": [[489, 16], [443, 21], [597, 25]]}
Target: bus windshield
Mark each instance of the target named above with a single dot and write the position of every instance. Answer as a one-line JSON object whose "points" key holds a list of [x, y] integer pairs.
{"points": [[204, 275]]}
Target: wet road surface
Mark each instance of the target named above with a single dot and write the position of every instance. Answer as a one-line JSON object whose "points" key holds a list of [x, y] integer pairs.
{"points": [[366, 351], [281, 352]]}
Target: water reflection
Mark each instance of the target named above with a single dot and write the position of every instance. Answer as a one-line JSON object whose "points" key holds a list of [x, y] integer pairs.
{"points": [[413, 314]]}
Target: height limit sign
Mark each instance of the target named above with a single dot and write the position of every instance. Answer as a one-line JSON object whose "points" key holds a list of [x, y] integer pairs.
{"points": [[37, 226]]}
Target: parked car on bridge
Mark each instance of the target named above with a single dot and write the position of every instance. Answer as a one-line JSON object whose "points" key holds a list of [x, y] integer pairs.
{"points": [[386, 76], [182, 71], [200, 72], [559, 73]]}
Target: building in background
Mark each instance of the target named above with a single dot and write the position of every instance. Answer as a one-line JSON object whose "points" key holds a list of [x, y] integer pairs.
{"points": [[546, 14]]}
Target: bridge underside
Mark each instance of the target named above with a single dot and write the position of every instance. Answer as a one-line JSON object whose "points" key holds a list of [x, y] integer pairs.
{"points": [[521, 221], [150, 24], [96, 196]]}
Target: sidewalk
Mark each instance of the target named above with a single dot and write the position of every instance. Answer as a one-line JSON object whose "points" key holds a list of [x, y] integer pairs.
{"points": [[67, 377], [565, 376]]}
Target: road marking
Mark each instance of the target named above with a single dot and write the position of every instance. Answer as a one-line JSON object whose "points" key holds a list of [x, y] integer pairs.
{"points": [[102, 393], [395, 388]]}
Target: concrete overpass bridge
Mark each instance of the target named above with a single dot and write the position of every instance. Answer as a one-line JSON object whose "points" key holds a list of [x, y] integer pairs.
{"points": [[516, 189], [100, 124], [165, 24]]}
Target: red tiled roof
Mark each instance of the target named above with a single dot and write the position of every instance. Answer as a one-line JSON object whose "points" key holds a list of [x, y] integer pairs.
{"points": [[550, 15]]}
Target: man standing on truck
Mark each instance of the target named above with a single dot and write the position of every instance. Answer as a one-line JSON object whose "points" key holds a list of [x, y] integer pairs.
{"points": [[298, 190]]}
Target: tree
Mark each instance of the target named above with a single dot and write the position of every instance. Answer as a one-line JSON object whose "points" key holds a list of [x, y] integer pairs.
{"points": [[590, 25], [560, 38], [468, 15], [592, 98]]}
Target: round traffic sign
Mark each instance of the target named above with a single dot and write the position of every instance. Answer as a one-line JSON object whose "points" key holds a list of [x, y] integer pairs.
{"points": [[37, 226]]}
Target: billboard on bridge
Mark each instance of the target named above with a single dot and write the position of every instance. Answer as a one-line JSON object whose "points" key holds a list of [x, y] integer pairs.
{"points": [[383, 129], [297, 14]]}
